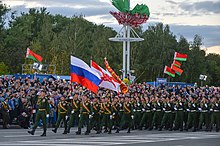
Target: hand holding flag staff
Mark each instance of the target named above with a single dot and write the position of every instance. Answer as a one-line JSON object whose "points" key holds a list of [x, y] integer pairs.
{"points": [[175, 67]]}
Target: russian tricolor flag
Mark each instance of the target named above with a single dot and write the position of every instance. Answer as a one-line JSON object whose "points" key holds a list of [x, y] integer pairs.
{"points": [[81, 73]]}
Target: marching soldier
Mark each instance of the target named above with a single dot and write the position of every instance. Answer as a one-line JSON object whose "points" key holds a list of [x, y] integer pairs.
{"points": [[179, 108], [42, 113], [63, 109], [167, 119], [115, 113], [74, 113], [215, 109], [107, 116], [96, 115], [5, 108], [137, 112], [147, 114], [157, 108], [192, 108], [85, 115], [204, 117], [127, 116]]}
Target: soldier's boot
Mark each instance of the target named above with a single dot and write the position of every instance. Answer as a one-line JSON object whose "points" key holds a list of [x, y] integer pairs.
{"points": [[68, 130], [44, 133], [140, 127], [129, 130], [194, 130], [54, 130], [151, 128], [117, 131], [160, 128], [65, 131], [106, 130], [110, 131], [98, 131], [78, 132], [217, 130], [87, 133], [31, 132]]}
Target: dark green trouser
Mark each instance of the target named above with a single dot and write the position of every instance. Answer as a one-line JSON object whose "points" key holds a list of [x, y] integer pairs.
{"points": [[41, 115], [185, 118], [106, 121], [126, 120], [157, 118], [192, 120], [179, 120], [215, 119], [204, 118], [137, 118], [95, 122], [116, 121], [5, 118], [73, 117], [167, 120], [146, 119], [61, 117], [84, 118]]}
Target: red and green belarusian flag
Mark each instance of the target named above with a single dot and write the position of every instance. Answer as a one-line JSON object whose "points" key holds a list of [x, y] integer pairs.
{"points": [[31, 55], [169, 71], [176, 63], [177, 69], [180, 57]]}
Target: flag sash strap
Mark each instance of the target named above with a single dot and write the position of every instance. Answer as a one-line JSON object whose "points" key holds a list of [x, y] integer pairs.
{"points": [[74, 103], [86, 107], [127, 108], [94, 107], [114, 107], [60, 105], [106, 108]]}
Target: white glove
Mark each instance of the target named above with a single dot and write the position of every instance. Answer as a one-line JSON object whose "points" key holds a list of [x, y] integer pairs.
{"points": [[71, 97], [47, 115], [113, 114], [143, 109], [154, 109], [79, 115], [199, 109], [134, 110], [164, 109], [188, 110], [211, 109], [72, 112], [90, 116], [175, 108], [110, 117], [120, 105], [132, 117], [66, 117]]}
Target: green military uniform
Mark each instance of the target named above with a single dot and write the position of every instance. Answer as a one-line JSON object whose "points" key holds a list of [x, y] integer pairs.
{"points": [[127, 116], [63, 109], [115, 114], [179, 109], [204, 115], [167, 119], [215, 118], [137, 113], [43, 110], [5, 113], [157, 116], [96, 117], [74, 113], [192, 115], [85, 115], [107, 116], [147, 115]]}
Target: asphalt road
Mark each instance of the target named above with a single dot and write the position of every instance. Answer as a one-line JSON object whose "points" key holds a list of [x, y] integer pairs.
{"points": [[20, 137]]}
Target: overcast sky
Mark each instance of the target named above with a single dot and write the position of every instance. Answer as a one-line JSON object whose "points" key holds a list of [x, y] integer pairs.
{"points": [[185, 18]]}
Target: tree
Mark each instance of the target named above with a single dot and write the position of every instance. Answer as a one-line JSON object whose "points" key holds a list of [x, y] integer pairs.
{"points": [[3, 69]]}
